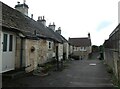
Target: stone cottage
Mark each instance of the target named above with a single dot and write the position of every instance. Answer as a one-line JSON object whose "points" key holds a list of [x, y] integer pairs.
{"points": [[65, 44], [24, 42], [81, 46]]}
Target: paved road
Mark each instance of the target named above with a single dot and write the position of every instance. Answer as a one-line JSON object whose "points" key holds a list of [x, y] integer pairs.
{"points": [[79, 73]]}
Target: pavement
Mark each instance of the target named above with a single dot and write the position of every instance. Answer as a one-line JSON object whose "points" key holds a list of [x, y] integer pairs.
{"points": [[78, 73]]}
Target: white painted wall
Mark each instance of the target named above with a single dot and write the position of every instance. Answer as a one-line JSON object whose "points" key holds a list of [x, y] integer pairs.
{"points": [[118, 12], [1, 46]]}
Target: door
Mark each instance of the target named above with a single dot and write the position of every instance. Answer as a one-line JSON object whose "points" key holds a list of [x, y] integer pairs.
{"points": [[8, 52]]}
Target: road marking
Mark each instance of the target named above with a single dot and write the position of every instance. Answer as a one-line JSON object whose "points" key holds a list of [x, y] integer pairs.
{"points": [[92, 64]]}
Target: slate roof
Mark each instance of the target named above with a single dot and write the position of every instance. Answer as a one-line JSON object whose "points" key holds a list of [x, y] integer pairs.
{"points": [[63, 38], [53, 34], [80, 42], [17, 21]]}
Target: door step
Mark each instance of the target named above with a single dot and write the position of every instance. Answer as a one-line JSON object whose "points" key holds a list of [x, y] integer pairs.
{"points": [[13, 74]]}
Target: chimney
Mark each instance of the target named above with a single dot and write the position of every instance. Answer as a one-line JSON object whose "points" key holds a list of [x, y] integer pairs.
{"points": [[23, 8], [89, 36], [42, 20], [31, 16], [52, 26], [59, 30]]}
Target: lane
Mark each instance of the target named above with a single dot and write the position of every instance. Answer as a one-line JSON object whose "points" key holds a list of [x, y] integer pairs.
{"points": [[79, 73], [88, 75]]}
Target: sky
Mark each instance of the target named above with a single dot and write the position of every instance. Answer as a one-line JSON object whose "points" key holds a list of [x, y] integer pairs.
{"points": [[76, 17]]}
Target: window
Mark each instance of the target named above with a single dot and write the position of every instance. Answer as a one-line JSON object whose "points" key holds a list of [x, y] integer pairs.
{"points": [[10, 42], [5, 36], [50, 45]]}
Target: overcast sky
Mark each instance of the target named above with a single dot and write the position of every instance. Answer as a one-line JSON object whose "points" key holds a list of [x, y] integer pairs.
{"points": [[76, 17]]}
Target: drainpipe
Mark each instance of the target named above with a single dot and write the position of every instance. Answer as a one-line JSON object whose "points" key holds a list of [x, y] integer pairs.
{"points": [[21, 53], [57, 58]]}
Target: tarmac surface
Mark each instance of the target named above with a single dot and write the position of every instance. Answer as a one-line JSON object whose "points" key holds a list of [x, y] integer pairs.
{"points": [[78, 73]]}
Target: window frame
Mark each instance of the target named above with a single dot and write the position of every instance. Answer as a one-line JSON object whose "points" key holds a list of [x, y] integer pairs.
{"points": [[49, 45], [10, 42], [5, 42]]}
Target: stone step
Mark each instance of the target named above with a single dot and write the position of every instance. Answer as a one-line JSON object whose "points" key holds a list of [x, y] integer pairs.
{"points": [[13, 74]]}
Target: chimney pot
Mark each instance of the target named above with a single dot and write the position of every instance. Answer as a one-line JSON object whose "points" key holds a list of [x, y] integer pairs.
{"points": [[38, 17], [31, 16], [24, 1], [89, 35], [53, 23], [18, 2], [43, 17], [59, 30]]}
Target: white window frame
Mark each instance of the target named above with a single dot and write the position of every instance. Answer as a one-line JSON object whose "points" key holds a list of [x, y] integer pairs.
{"points": [[49, 45], [8, 43]]}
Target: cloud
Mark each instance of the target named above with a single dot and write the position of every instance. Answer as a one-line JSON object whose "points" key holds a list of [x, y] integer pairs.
{"points": [[103, 24]]}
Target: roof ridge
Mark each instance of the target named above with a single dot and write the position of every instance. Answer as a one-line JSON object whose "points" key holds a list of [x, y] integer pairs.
{"points": [[80, 38]]}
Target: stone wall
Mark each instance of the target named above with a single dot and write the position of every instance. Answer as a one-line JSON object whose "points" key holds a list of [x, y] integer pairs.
{"points": [[40, 55], [70, 49], [60, 51], [66, 50], [89, 49], [50, 51], [17, 55], [108, 57], [112, 59], [42, 51], [82, 53], [118, 63], [30, 56]]}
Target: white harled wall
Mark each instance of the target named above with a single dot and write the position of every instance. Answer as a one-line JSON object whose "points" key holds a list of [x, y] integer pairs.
{"points": [[1, 51]]}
